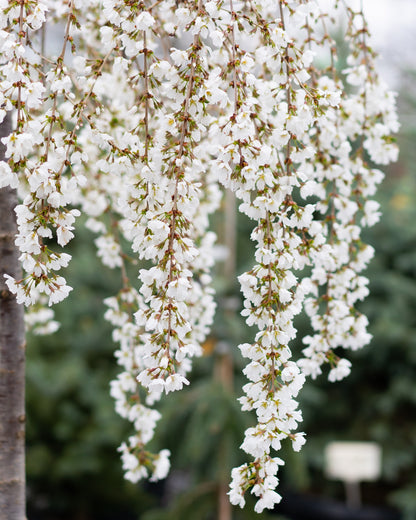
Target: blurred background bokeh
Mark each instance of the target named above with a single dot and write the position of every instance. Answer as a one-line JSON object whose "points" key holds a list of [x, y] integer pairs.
{"points": [[73, 468]]}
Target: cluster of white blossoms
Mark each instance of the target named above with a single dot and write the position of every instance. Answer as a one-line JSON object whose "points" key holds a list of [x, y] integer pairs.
{"points": [[138, 462], [346, 182], [46, 118], [147, 112]]}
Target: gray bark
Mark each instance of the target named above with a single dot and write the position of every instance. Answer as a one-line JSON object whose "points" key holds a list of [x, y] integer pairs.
{"points": [[12, 364]]}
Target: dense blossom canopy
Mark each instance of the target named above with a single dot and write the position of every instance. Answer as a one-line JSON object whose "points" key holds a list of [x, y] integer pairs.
{"points": [[139, 121]]}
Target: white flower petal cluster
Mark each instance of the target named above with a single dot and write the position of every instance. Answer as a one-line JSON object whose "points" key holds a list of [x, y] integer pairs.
{"points": [[263, 475], [288, 134], [39, 150], [140, 137], [40, 320], [154, 190], [344, 182], [138, 462]]}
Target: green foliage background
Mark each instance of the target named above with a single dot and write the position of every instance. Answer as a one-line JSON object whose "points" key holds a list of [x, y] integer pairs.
{"points": [[73, 468]]}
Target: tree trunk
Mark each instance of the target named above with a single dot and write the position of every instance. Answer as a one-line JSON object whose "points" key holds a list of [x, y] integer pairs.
{"points": [[12, 364], [224, 367]]}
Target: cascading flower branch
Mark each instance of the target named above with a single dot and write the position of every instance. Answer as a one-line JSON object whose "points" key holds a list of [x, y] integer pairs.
{"points": [[146, 112]]}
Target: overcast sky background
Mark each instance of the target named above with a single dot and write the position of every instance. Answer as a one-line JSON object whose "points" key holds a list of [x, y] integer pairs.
{"points": [[393, 24], [393, 27]]}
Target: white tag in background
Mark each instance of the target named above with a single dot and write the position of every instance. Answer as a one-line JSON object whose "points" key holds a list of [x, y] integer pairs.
{"points": [[353, 462]]}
